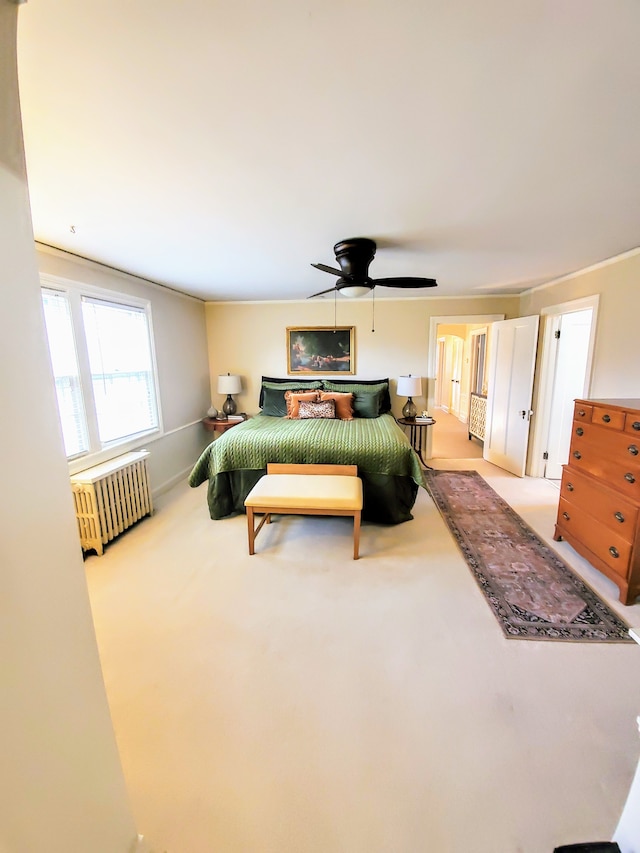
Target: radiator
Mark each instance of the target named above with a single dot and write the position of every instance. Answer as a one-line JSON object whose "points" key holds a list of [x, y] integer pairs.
{"points": [[477, 416], [110, 497]]}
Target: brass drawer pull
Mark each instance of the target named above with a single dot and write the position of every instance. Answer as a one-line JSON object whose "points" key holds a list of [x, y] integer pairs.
{"points": [[566, 516], [569, 487], [614, 552], [606, 418], [577, 454], [579, 431], [633, 450], [636, 425], [618, 517], [581, 413], [629, 478]]}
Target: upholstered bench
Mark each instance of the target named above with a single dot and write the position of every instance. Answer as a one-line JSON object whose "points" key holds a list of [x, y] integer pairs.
{"points": [[306, 490]]}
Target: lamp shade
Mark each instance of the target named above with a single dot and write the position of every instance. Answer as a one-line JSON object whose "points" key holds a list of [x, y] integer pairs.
{"points": [[409, 386], [229, 383]]}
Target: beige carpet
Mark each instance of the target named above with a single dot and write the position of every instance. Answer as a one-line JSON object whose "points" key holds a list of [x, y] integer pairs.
{"points": [[298, 701], [450, 439]]}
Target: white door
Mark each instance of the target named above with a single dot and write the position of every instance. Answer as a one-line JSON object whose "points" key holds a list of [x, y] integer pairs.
{"points": [[572, 337], [510, 388], [456, 374], [447, 375], [439, 384]]}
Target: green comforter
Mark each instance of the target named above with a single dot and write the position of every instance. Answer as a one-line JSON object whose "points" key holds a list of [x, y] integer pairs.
{"points": [[388, 466]]}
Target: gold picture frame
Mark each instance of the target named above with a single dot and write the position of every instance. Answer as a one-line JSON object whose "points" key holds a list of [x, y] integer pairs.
{"points": [[329, 350]]}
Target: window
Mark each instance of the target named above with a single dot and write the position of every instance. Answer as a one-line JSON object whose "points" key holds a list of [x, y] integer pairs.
{"points": [[102, 361], [64, 360], [478, 360]]}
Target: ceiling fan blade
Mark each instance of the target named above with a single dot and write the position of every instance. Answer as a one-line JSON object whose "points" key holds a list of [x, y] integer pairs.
{"points": [[406, 281], [322, 292], [325, 268]]}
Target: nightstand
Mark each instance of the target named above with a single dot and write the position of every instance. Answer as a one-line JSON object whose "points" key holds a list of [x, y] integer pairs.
{"points": [[217, 425], [417, 435]]}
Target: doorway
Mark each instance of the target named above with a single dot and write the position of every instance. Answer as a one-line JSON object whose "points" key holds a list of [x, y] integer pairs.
{"points": [[457, 347], [565, 374]]}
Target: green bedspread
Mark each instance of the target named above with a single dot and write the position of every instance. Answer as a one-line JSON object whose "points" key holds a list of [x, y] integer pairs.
{"points": [[389, 467]]}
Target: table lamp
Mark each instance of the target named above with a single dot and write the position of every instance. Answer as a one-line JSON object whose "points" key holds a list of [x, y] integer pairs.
{"points": [[229, 384], [409, 386]]}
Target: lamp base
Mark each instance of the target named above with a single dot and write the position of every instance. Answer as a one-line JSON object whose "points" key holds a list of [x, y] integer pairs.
{"points": [[409, 410], [229, 406]]}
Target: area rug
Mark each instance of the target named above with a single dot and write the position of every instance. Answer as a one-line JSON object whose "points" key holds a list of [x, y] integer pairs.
{"points": [[532, 592]]}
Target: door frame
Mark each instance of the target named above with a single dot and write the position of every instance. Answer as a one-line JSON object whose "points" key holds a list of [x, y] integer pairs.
{"points": [[432, 351], [546, 374]]}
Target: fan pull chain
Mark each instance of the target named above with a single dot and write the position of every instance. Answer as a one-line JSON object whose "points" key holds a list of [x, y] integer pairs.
{"points": [[373, 309], [335, 310]]}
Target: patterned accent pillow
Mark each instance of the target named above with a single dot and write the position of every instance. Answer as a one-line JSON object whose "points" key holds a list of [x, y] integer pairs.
{"points": [[343, 402], [293, 399], [322, 409]]}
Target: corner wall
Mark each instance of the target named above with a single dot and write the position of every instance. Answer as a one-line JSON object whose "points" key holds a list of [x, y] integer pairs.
{"points": [[615, 366], [61, 787], [180, 339]]}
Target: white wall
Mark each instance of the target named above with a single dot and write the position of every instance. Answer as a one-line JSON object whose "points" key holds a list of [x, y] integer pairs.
{"points": [[615, 366], [250, 338], [61, 785]]}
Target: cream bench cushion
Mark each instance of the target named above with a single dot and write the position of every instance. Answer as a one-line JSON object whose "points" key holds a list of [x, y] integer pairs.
{"points": [[306, 490]]}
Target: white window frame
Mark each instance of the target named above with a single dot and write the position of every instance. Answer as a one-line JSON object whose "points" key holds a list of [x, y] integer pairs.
{"points": [[74, 291], [475, 335]]}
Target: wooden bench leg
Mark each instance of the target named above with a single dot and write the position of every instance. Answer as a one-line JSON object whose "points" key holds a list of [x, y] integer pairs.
{"points": [[251, 531], [356, 534]]}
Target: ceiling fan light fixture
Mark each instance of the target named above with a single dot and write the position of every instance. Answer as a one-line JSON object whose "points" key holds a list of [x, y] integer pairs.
{"points": [[354, 291], [353, 257]]}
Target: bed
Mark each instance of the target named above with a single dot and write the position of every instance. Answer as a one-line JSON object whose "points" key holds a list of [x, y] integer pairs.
{"points": [[387, 464]]}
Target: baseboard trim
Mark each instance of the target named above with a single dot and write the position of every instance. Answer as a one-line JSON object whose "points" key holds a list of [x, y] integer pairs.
{"points": [[170, 483]]}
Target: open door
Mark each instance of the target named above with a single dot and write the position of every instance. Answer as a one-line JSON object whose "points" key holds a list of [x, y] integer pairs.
{"points": [[510, 389], [572, 338], [564, 373]]}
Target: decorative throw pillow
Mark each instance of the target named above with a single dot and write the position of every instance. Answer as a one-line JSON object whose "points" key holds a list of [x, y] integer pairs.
{"points": [[368, 400], [355, 385], [273, 403], [293, 399], [282, 385], [322, 409], [343, 403], [368, 404]]}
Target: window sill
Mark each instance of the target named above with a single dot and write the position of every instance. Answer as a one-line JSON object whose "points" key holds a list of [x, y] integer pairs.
{"points": [[81, 463]]}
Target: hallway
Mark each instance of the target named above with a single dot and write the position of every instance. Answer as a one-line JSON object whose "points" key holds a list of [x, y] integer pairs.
{"points": [[450, 439]]}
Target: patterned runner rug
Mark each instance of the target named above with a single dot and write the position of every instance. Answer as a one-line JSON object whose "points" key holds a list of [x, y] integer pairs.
{"points": [[532, 592]]}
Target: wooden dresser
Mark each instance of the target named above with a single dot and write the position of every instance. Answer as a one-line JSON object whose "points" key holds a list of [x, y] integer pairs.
{"points": [[600, 496]]}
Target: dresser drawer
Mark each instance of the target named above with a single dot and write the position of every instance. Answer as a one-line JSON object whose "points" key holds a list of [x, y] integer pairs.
{"points": [[611, 548], [582, 412], [625, 477], [632, 423], [606, 505], [610, 418], [616, 445]]}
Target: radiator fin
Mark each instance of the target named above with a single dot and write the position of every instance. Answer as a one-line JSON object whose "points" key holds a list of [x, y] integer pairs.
{"points": [[110, 497]]}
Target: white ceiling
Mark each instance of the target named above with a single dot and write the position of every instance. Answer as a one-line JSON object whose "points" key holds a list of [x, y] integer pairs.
{"points": [[221, 147]]}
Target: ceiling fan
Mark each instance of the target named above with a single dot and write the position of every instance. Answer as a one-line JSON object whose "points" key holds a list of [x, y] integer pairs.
{"points": [[354, 256]]}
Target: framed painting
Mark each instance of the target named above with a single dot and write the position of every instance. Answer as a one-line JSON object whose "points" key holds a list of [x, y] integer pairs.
{"points": [[320, 349]]}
